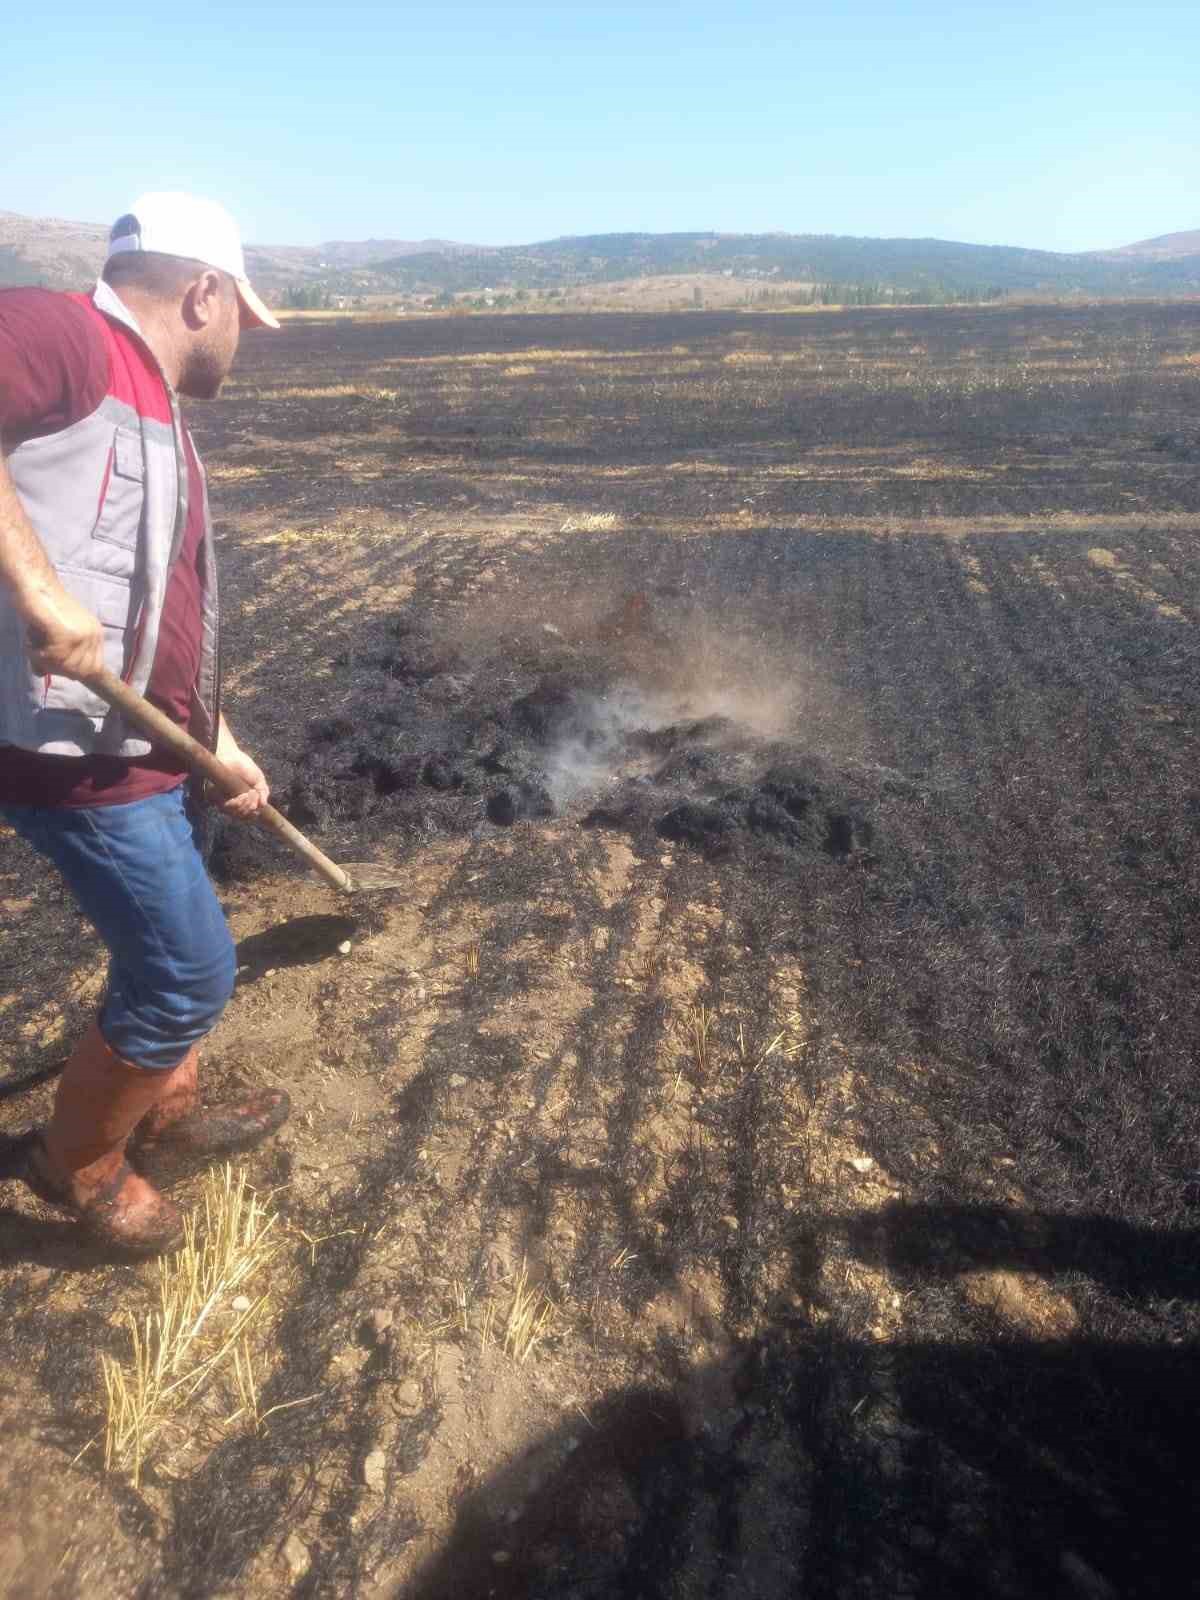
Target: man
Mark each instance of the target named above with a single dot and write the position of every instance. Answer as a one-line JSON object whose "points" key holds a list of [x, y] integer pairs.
{"points": [[106, 559]]}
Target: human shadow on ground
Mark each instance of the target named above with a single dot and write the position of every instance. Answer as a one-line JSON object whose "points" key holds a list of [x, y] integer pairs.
{"points": [[54, 1243], [981, 1461], [940, 1241], [12, 1088]]}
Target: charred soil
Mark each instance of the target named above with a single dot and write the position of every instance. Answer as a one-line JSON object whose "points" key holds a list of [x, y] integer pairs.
{"points": [[787, 730]]}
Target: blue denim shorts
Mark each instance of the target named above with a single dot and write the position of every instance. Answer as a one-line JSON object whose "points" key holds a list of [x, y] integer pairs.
{"points": [[138, 877]]}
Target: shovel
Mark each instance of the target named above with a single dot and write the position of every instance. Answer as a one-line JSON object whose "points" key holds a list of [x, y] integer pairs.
{"points": [[353, 878]]}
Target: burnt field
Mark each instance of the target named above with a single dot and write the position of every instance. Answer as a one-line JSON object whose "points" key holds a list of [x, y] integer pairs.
{"points": [[788, 728]]}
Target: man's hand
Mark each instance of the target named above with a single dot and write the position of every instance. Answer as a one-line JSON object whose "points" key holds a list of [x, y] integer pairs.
{"points": [[64, 636], [235, 758]]}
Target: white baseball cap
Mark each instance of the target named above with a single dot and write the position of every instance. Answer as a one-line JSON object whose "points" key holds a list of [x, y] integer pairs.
{"points": [[173, 224]]}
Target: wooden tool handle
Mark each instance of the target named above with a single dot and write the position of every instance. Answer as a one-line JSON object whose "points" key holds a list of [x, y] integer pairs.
{"points": [[203, 763]]}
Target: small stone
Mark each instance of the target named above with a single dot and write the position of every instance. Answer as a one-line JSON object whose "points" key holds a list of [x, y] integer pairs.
{"points": [[345, 947], [351, 1358], [295, 1554], [409, 1397], [269, 973], [501, 1557], [730, 1222], [240, 1303], [374, 1471], [548, 627], [457, 1081], [666, 861], [861, 1163], [379, 1323]]}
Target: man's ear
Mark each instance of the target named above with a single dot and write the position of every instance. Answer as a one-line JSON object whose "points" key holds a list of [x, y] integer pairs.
{"points": [[202, 299]]}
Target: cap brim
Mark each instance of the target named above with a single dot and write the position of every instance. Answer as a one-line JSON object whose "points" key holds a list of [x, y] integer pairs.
{"points": [[256, 311]]}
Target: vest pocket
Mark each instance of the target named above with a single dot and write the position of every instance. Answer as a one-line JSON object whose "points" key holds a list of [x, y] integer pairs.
{"points": [[111, 600], [120, 517]]}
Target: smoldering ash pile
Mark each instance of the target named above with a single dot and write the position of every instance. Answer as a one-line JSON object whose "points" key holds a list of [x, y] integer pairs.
{"points": [[438, 739]]}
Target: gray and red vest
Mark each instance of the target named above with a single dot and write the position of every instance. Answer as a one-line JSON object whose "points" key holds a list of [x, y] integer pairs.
{"points": [[107, 497]]}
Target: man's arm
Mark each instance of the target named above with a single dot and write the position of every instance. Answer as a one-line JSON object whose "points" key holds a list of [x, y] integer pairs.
{"points": [[64, 637]]}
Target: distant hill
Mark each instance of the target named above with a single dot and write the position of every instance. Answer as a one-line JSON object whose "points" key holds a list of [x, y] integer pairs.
{"points": [[1167, 247], [63, 254], [909, 264], [342, 254], [69, 255]]}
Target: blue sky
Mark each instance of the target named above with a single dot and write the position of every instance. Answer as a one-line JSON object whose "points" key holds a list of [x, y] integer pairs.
{"points": [[1061, 125]]}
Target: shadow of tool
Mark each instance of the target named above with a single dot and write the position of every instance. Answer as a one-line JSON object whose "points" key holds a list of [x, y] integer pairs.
{"points": [[299, 942]]}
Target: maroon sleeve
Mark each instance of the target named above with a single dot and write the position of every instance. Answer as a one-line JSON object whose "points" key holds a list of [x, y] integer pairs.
{"points": [[53, 363]]}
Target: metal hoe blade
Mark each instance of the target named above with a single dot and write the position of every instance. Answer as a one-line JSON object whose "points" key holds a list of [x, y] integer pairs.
{"points": [[367, 876]]}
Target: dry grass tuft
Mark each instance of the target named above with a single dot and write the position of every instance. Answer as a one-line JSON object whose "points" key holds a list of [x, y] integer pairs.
{"points": [[788, 1042], [233, 473], [196, 1331], [701, 1020], [590, 522], [647, 965], [462, 1309], [323, 391], [518, 1328], [529, 1320]]}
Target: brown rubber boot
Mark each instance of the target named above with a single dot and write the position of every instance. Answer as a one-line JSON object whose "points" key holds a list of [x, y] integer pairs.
{"points": [[78, 1160], [176, 1136]]}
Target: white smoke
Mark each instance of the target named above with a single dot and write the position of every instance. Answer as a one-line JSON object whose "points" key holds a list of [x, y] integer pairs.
{"points": [[596, 751]]}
